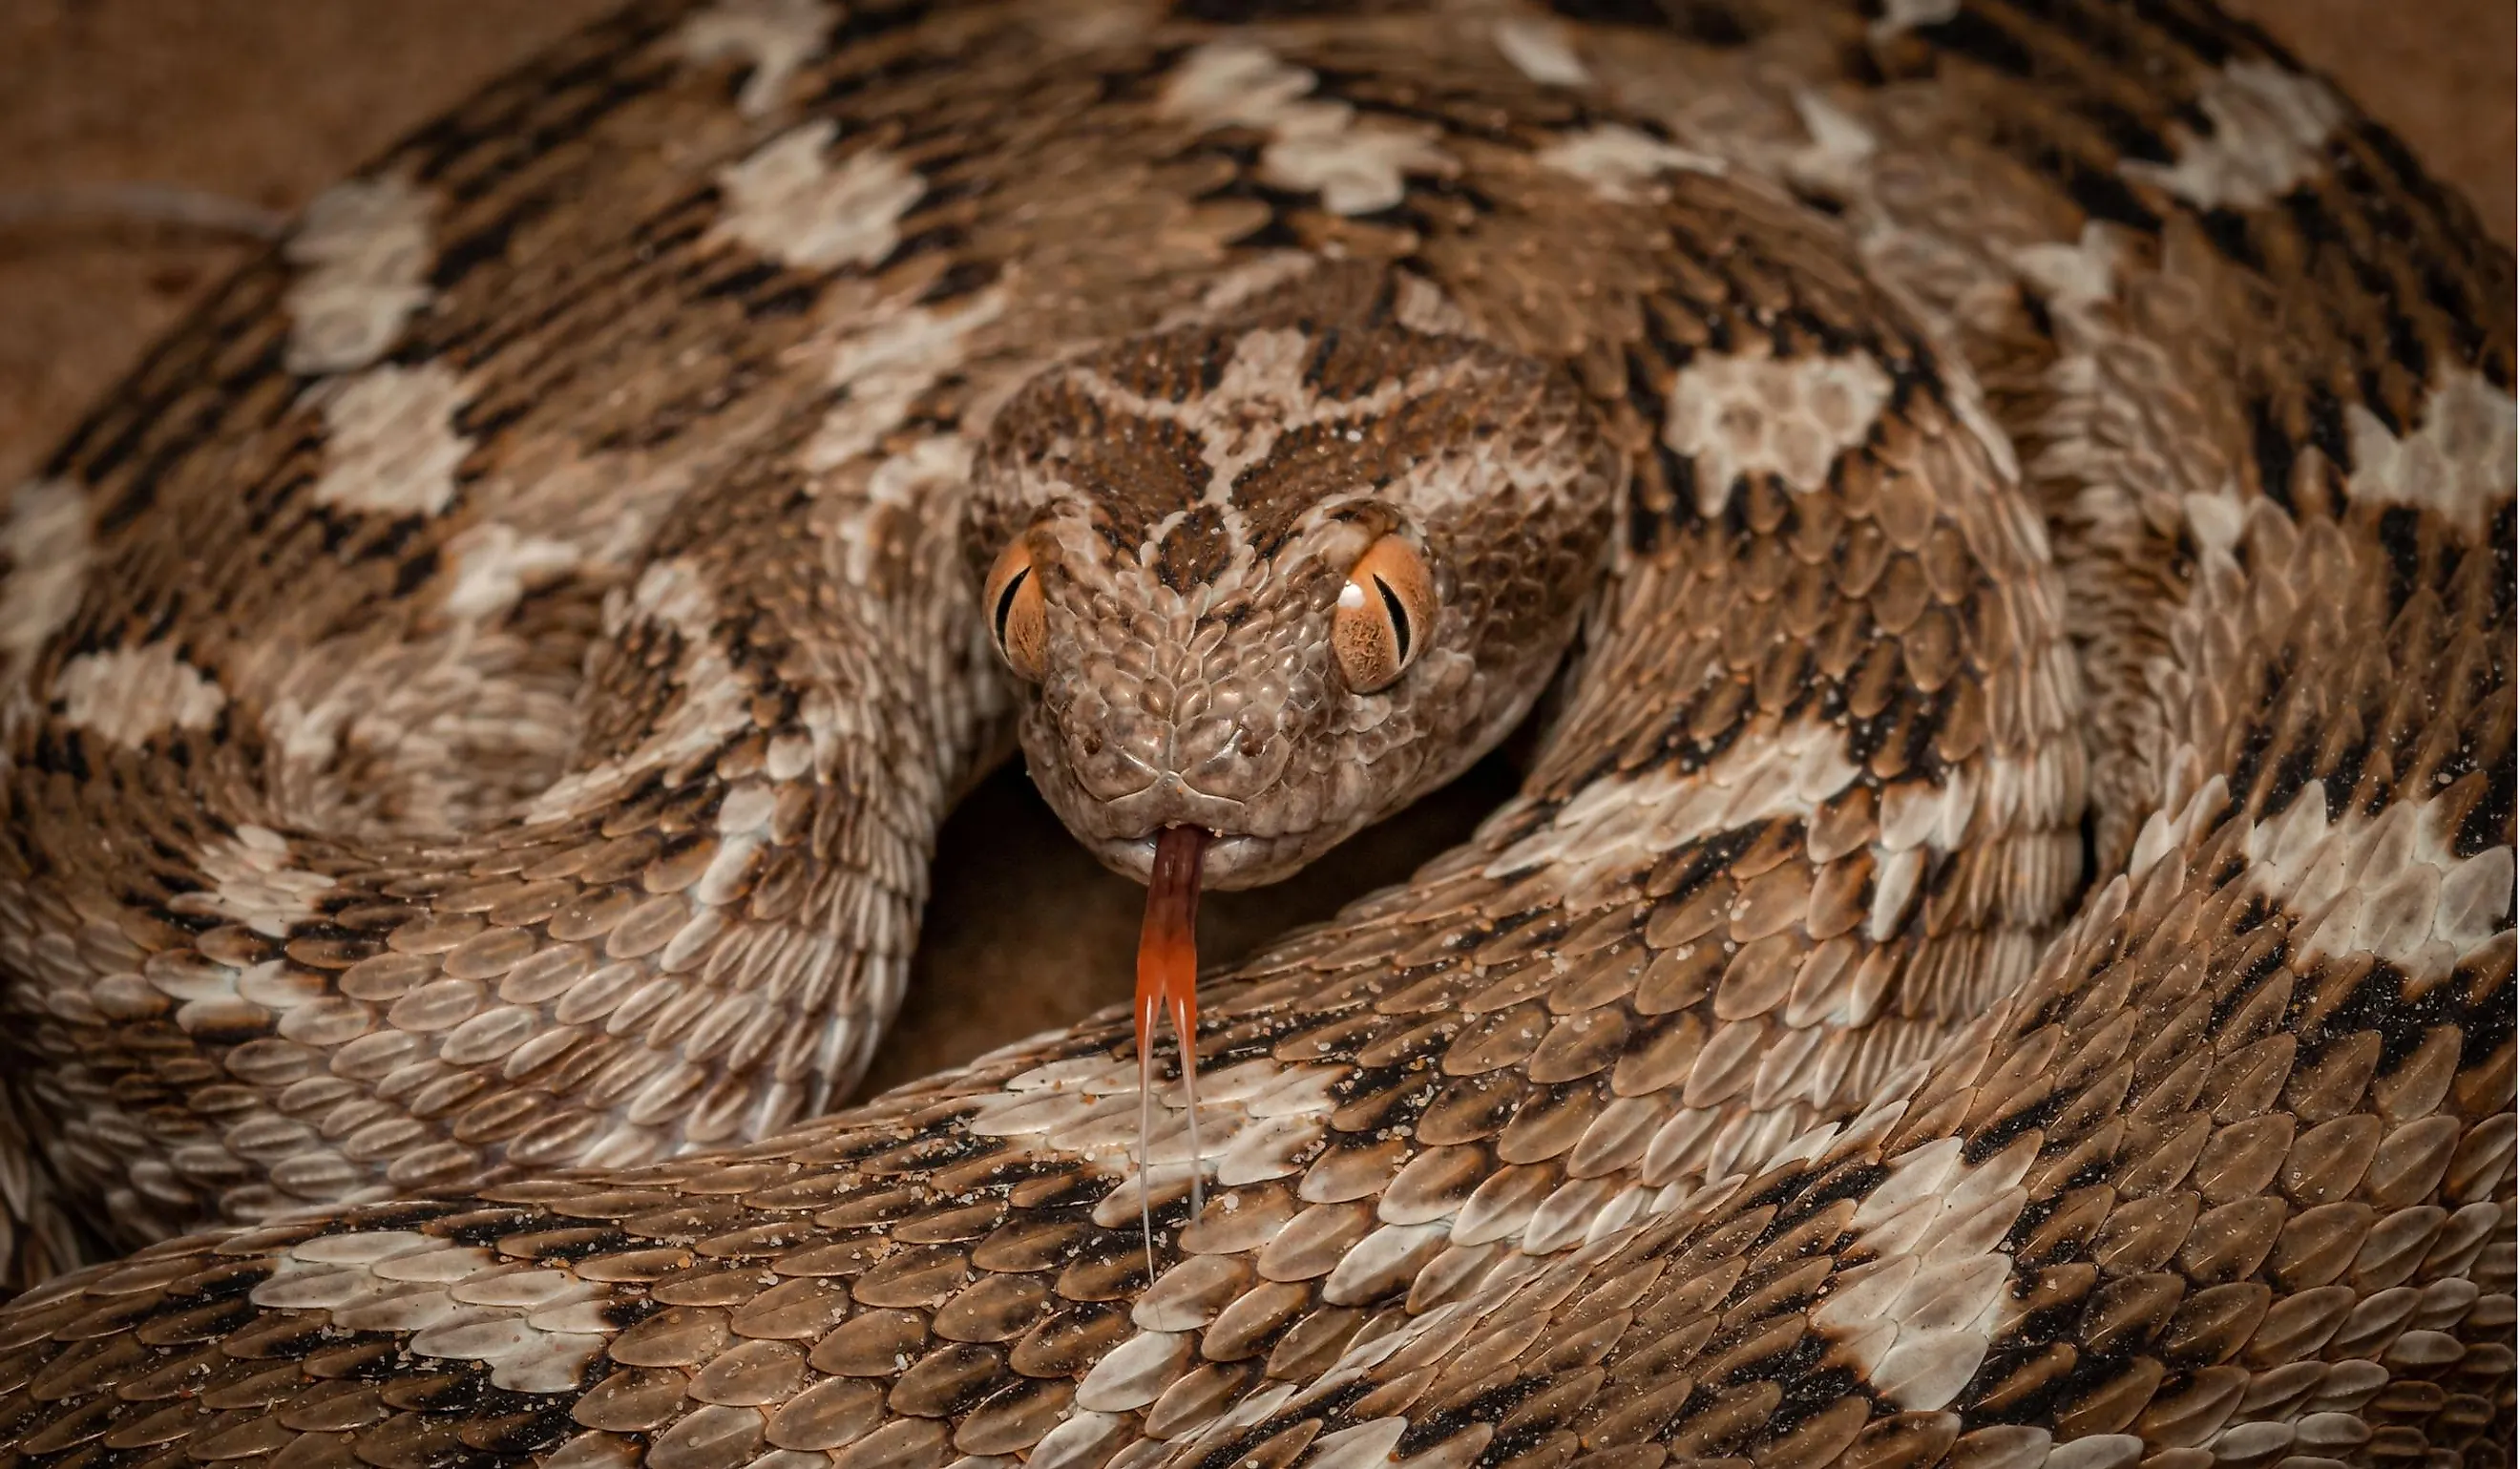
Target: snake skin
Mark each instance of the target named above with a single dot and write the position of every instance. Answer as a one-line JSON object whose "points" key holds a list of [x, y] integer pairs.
{"points": [[2002, 957]]}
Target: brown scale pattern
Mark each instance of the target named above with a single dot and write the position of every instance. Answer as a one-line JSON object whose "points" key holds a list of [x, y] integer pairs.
{"points": [[1711, 1105], [2245, 1175], [389, 1037], [162, 1086]]}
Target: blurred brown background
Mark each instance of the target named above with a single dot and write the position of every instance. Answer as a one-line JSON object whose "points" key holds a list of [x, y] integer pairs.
{"points": [[268, 102]]}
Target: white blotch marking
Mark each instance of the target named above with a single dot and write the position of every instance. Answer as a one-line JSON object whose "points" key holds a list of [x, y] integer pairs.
{"points": [[535, 1327], [2215, 520], [1355, 169], [366, 249], [2270, 128], [1259, 395], [390, 446], [1751, 415], [2420, 908], [1235, 83], [1899, 16], [580, 516], [496, 565], [1541, 51], [131, 694], [774, 37], [1619, 161], [1357, 165], [46, 546], [308, 735], [254, 884], [886, 366], [2075, 276], [788, 203], [915, 480], [1916, 1318], [2459, 464], [675, 594], [1840, 151], [1421, 305], [744, 822]]}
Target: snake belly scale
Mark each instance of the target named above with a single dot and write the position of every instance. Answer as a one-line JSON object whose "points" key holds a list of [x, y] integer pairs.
{"points": [[2003, 954]]}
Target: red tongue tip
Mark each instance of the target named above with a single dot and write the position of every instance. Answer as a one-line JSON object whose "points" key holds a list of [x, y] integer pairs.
{"points": [[1168, 985]]}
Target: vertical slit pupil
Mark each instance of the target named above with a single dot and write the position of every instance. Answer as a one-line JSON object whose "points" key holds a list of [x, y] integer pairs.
{"points": [[1007, 601], [1399, 616]]}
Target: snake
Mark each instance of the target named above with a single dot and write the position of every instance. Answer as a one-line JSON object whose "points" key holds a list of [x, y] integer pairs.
{"points": [[1995, 519]]}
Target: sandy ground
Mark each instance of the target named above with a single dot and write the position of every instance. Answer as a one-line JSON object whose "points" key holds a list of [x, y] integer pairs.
{"points": [[266, 101]]}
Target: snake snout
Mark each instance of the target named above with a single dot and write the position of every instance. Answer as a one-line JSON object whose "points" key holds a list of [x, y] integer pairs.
{"points": [[1118, 775]]}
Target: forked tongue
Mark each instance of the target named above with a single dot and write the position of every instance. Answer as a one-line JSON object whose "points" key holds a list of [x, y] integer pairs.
{"points": [[1168, 984]]}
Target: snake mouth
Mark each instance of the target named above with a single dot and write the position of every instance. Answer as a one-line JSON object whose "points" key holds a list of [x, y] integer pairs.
{"points": [[1229, 860]]}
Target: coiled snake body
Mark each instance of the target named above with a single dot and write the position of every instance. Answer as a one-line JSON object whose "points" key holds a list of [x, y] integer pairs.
{"points": [[2002, 955]]}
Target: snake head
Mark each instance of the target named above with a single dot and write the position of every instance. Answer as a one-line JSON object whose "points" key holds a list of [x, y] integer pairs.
{"points": [[1278, 576]]}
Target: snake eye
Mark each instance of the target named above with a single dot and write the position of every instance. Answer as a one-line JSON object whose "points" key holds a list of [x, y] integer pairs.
{"points": [[1384, 613], [1018, 618]]}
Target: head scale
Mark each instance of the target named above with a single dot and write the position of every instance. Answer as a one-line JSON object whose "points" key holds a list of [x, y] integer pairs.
{"points": [[1279, 574]]}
